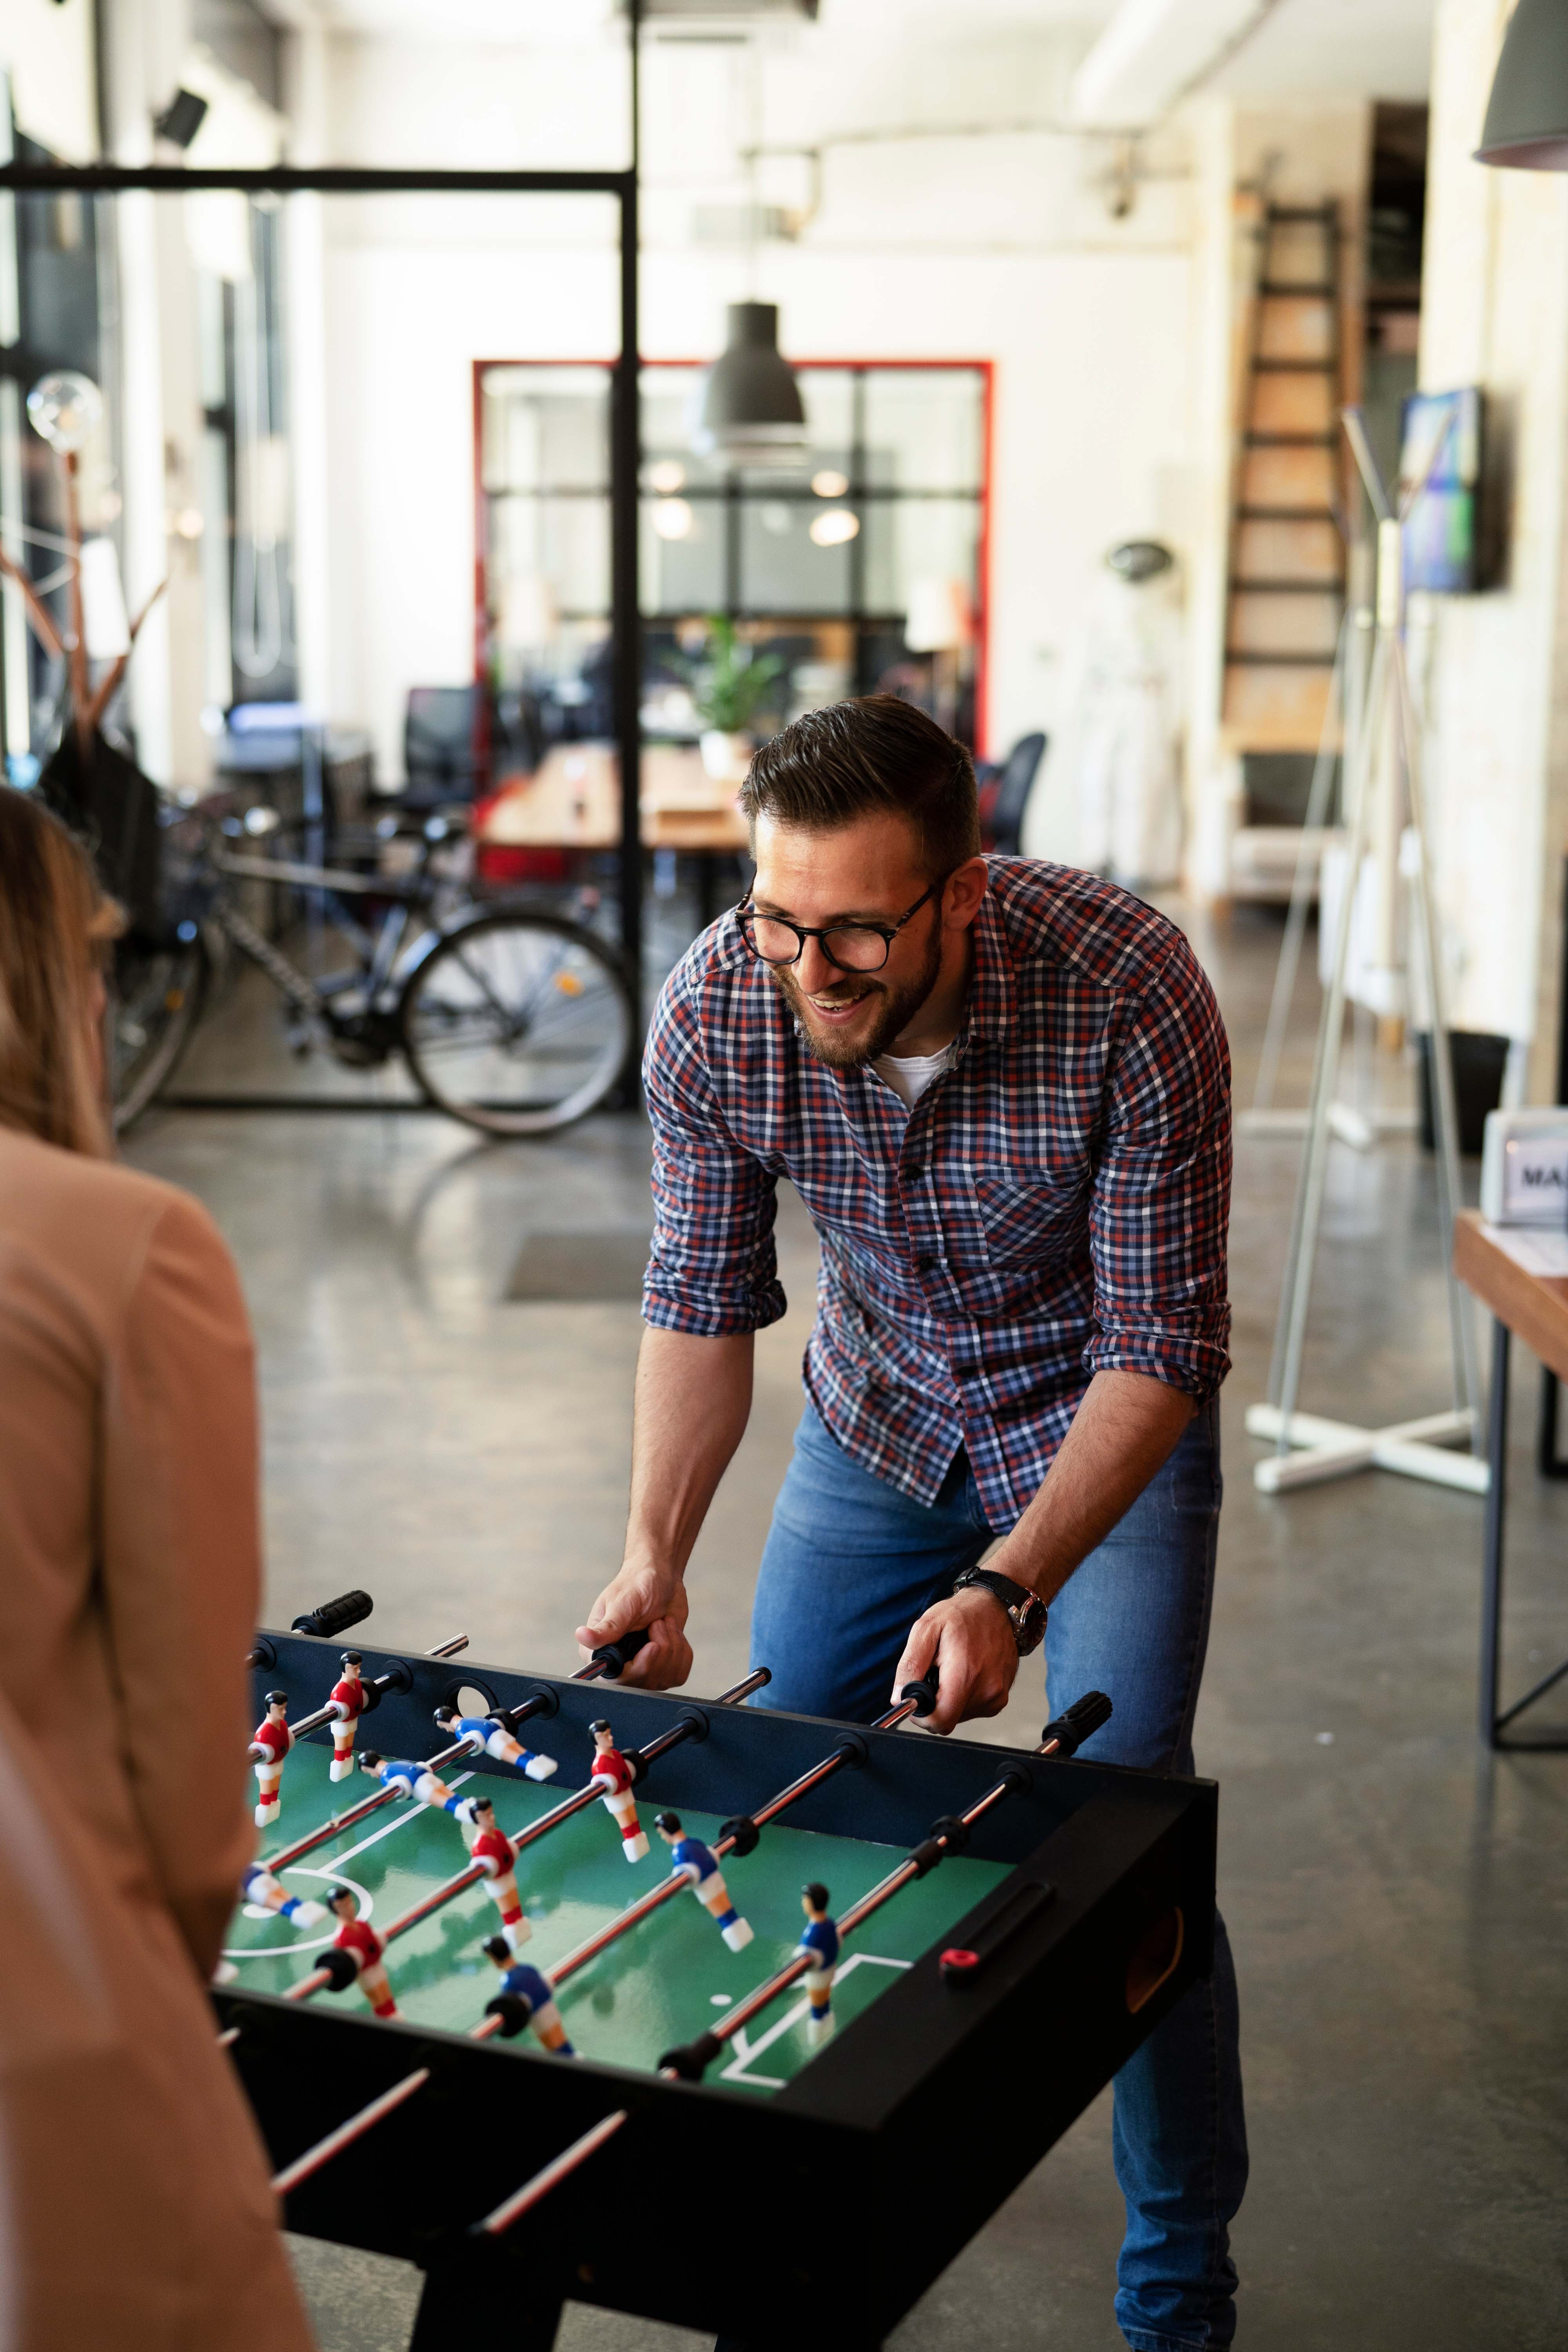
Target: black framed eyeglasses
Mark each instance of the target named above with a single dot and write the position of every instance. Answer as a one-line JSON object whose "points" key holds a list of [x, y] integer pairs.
{"points": [[849, 946]]}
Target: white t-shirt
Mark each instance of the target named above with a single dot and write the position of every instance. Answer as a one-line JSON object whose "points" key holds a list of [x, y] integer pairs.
{"points": [[908, 1074]]}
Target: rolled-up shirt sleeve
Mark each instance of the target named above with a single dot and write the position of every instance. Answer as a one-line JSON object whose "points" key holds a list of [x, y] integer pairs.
{"points": [[712, 1269], [1161, 1194]]}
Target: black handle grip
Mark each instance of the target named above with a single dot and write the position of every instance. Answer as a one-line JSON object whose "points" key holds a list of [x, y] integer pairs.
{"points": [[614, 1655], [335, 1616], [1083, 1718], [923, 1693]]}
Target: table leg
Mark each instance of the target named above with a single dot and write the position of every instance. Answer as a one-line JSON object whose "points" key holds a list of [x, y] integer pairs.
{"points": [[1491, 1574], [482, 2299], [1548, 1461]]}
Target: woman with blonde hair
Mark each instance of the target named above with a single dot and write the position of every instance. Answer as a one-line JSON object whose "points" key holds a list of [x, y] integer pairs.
{"points": [[134, 2204]]}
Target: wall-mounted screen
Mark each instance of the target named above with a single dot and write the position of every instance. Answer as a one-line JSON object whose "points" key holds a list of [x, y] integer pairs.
{"points": [[1440, 459]]}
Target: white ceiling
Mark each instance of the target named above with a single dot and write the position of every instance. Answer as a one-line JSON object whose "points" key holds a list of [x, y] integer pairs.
{"points": [[1303, 48]]}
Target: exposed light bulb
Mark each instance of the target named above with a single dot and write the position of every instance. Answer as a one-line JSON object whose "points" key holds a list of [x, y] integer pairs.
{"points": [[835, 528], [666, 474], [673, 519], [830, 483]]}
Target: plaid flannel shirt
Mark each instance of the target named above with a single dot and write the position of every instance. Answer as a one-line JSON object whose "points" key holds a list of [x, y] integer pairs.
{"points": [[1054, 1206]]}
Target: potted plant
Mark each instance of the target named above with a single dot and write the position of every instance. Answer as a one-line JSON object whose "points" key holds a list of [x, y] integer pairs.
{"points": [[728, 686]]}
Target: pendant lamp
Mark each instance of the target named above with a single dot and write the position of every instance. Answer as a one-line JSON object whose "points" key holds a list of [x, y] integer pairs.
{"points": [[1527, 113], [751, 411]]}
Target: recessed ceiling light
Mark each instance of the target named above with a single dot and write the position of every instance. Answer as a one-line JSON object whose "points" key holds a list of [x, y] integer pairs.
{"points": [[667, 476], [834, 528], [673, 519], [829, 483]]}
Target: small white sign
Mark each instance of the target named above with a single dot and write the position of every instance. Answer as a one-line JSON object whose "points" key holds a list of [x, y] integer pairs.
{"points": [[1535, 1180]]}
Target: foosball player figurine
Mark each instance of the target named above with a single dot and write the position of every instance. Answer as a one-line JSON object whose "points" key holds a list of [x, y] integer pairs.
{"points": [[527, 1997], [611, 1772], [819, 1943], [360, 1949], [406, 1779], [268, 1748], [258, 1887], [696, 1860], [348, 1700], [493, 1740], [492, 1850]]}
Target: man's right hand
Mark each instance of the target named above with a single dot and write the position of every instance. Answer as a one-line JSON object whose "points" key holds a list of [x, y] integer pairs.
{"points": [[647, 1599]]}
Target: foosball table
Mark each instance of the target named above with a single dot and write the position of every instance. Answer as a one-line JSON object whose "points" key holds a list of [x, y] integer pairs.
{"points": [[764, 2072]]}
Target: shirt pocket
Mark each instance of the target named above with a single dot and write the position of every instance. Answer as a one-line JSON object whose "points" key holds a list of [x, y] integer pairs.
{"points": [[1028, 1215]]}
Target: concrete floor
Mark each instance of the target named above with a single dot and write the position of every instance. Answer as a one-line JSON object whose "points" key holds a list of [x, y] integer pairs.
{"points": [[1397, 1902]]}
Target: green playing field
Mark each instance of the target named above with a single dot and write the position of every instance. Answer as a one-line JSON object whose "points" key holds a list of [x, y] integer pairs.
{"points": [[666, 1980]]}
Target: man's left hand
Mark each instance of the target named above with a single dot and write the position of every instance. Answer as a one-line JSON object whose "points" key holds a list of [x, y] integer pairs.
{"points": [[971, 1639]]}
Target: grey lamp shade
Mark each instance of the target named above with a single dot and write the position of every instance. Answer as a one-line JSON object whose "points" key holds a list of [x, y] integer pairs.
{"points": [[751, 410], [1527, 114]]}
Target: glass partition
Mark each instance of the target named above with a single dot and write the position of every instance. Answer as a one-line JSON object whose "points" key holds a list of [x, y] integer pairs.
{"points": [[862, 569]]}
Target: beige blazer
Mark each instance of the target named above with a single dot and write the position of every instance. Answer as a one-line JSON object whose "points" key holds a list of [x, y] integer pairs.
{"points": [[134, 2205]]}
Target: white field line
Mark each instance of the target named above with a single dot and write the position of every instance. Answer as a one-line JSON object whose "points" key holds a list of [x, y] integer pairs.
{"points": [[746, 2050], [366, 1903]]}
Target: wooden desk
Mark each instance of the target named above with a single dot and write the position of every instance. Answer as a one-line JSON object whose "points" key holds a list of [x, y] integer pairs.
{"points": [[573, 800], [1494, 1263]]}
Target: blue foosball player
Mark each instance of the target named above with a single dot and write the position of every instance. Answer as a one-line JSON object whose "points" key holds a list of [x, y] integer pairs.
{"points": [[527, 1997], [491, 1738], [819, 1945], [262, 1892], [408, 1778], [696, 1861]]}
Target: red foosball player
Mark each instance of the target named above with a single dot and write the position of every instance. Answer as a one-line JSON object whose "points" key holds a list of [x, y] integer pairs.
{"points": [[493, 1851], [614, 1774], [267, 1750], [348, 1700], [362, 1947]]}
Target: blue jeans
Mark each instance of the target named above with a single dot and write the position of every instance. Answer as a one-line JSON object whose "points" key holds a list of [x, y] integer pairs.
{"points": [[850, 1563]]}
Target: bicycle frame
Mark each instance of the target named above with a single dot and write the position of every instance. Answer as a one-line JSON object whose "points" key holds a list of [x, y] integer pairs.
{"points": [[380, 954]]}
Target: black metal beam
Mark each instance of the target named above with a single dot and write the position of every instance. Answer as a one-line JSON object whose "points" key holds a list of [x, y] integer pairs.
{"points": [[294, 180]]}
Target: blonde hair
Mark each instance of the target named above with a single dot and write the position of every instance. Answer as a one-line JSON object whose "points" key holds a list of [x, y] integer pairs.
{"points": [[55, 924]]}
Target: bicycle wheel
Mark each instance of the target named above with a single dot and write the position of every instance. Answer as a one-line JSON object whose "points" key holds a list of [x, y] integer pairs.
{"points": [[517, 1023], [155, 1001]]}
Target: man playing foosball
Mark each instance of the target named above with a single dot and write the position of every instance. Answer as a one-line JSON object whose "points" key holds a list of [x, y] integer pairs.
{"points": [[1001, 1090]]}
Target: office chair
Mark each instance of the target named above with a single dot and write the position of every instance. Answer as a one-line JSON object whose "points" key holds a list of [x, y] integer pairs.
{"points": [[443, 756], [1005, 796]]}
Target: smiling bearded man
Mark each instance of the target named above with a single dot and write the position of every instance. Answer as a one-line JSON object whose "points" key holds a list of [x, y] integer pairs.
{"points": [[1001, 1090]]}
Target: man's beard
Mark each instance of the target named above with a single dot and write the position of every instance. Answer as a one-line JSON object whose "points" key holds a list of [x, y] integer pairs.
{"points": [[888, 1020]]}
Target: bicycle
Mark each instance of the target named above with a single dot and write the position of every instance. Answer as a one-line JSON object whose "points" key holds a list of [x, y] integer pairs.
{"points": [[514, 1019]]}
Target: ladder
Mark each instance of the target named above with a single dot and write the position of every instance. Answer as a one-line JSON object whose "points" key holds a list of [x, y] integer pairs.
{"points": [[1285, 589]]}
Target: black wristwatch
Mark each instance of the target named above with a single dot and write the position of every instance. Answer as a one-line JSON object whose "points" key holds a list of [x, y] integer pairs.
{"points": [[1026, 1614]]}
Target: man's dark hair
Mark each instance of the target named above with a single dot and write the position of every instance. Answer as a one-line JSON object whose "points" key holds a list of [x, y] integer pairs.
{"points": [[816, 1894], [831, 766]]}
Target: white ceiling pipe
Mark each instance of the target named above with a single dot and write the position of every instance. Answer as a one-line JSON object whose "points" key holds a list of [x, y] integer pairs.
{"points": [[1153, 52]]}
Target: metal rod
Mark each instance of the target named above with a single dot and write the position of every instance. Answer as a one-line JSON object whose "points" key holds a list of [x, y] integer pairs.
{"points": [[769, 1991], [645, 1905], [569, 2159], [346, 2133], [356, 2125], [452, 1888], [544, 2181], [368, 1805]]}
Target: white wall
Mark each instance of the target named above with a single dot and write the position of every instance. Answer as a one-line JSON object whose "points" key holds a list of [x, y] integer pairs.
{"points": [[998, 247], [1495, 667]]}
